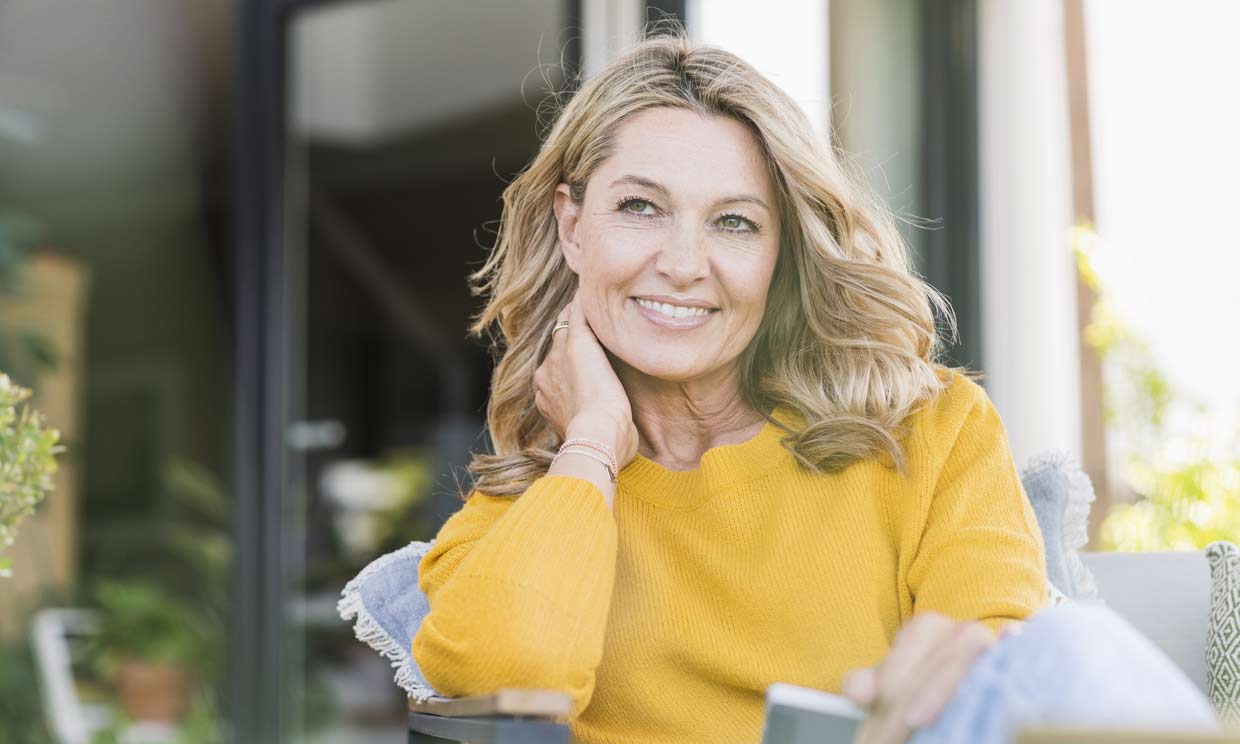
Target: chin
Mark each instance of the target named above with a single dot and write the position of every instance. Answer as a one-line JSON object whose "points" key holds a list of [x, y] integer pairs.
{"points": [[668, 370]]}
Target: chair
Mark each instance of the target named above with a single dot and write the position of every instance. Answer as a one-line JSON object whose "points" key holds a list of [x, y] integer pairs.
{"points": [[1166, 596], [506, 717]]}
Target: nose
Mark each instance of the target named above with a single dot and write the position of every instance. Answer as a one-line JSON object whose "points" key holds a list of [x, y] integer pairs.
{"points": [[683, 259]]}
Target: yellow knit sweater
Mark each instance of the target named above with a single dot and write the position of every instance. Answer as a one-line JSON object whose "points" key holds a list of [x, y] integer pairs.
{"points": [[668, 621]]}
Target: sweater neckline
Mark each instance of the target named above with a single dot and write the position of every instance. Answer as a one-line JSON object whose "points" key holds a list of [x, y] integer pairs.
{"points": [[720, 466]]}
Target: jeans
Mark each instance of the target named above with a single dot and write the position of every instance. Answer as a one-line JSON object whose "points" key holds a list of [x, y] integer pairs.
{"points": [[1074, 665]]}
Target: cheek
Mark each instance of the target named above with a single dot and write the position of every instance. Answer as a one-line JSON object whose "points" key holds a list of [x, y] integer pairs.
{"points": [[749, 279], [612, 259]]}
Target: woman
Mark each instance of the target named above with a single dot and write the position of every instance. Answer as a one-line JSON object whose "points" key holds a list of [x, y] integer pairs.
{"points": [[739, 462]]}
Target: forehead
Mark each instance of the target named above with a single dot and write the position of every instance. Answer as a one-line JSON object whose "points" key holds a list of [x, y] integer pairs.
{"points": [[689, 153]]}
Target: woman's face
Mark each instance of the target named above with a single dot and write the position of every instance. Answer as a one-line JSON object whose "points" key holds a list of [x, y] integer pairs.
{"points": [[675, 243]]}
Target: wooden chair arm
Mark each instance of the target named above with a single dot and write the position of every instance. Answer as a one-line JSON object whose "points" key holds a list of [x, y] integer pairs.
{"points": [[506, 702], [1047, 735], [509, 716]]}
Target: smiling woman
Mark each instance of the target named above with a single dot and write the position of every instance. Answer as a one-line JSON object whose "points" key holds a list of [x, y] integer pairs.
{"points": [[673, 271], [741, 463], [679, 177]]}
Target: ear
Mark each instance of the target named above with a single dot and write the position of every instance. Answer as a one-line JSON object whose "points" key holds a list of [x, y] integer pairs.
{"points": [[566, 213]]}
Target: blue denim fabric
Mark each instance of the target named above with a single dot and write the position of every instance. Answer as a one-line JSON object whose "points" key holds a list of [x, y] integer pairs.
{"points": [[388, 607], [1079, 665]]}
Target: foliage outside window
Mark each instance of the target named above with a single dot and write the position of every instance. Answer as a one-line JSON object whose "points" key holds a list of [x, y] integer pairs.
{"points": [[27, 461], [1186, 481]]}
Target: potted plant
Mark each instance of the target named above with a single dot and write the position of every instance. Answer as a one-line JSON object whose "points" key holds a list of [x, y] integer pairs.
{"points": [[147, 646], [27, 461]]}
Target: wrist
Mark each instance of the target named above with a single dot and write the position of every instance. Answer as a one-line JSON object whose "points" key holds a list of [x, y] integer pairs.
{"points": [[596, 452]]}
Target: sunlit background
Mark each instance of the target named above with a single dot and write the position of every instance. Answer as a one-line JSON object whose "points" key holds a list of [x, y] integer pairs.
{"points": [[233, 247]]}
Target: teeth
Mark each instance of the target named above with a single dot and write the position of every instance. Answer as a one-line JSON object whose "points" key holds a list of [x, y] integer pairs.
{"points": [[672, 311]]}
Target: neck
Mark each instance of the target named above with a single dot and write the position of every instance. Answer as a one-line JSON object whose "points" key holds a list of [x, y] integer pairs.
{"points": [[677, 421]]}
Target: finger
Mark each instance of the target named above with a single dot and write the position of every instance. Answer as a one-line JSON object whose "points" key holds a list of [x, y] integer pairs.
{"points": [[582, 334], [946, 672], [901, 671], [549, 342], [910, 694], [861, 686], [915, 641], [544, 351]]}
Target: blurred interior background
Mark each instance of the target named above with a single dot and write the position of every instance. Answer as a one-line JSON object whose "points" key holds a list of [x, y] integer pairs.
{"points": [[233, 247]]}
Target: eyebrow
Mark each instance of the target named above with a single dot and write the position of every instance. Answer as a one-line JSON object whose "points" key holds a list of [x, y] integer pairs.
{"points": [[656, 186]]}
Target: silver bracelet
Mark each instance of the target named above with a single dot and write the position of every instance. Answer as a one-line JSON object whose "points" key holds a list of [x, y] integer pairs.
{"points": [[611, 474]]}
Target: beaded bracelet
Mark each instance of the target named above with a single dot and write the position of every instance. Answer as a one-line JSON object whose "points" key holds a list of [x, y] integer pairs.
{"points": [[595, 445], [611, 473]]}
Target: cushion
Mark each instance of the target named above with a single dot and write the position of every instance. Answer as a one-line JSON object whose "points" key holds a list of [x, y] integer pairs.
{"points": [[1061, 494], [1165, 595], [1223, 633], [388, 607]]}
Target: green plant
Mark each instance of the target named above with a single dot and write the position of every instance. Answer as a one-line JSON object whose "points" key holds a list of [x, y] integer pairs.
{"points": [[141, 621], [21, 708], [27, 461], [185, 549], [1187, 484], [202, 725], [23, 352]]}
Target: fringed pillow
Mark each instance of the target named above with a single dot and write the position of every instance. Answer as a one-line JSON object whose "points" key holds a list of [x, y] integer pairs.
{"points": [[1061, 495], [389, 607]]}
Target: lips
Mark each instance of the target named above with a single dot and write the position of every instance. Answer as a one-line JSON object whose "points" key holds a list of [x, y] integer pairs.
{"points": [[687, 321], [677, 301], [673, 310]]}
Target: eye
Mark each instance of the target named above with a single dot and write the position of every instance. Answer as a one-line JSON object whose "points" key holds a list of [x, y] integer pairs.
{"points": [[623, 204], [735, 223]]}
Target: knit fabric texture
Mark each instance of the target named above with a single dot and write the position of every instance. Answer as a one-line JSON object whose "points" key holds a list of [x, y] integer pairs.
{"points": [[668, 619]]}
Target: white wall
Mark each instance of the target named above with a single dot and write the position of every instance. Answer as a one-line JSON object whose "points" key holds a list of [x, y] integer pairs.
{"points": [[369, 71], [1027, 269], [1166, 166], [785, 40], [876, 110], [608, 29]]}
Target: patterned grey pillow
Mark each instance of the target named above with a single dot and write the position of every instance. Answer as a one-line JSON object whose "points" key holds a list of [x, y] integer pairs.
{"points": [[1223, 635]]}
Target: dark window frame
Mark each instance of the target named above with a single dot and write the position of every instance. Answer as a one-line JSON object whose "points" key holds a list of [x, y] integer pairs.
{"points": [[950, 167], [257, 706]]}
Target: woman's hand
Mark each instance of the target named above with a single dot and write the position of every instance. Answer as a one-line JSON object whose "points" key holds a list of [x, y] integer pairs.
{"points": [[910, 687], [578, 392]]}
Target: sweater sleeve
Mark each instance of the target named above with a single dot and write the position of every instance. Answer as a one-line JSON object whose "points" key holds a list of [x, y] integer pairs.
{"points": [[520, 591], [980, 555]]}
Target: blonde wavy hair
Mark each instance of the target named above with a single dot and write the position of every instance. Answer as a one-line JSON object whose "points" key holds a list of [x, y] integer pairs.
{"points": [[848, 339]]}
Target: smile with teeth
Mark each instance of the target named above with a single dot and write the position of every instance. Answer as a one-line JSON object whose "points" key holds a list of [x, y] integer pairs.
{"points": [[672, 311]]}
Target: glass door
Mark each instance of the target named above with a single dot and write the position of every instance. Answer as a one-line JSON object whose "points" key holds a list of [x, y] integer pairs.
{"points": [[402, 122]]}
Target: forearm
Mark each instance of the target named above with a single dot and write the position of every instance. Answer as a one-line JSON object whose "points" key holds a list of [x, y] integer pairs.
{"points": [[528, 605], [577, 465]]}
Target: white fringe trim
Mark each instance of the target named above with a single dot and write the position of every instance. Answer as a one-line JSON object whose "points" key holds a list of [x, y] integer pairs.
{"points": [[1075, 517], [372, 634]]}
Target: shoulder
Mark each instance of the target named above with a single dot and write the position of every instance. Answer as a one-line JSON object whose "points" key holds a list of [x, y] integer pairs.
{"points": [[460, 531], [474, 517], [961, 407]]}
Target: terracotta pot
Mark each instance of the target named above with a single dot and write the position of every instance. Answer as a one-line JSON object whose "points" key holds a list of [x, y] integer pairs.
{"points": [[153, 691]]}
